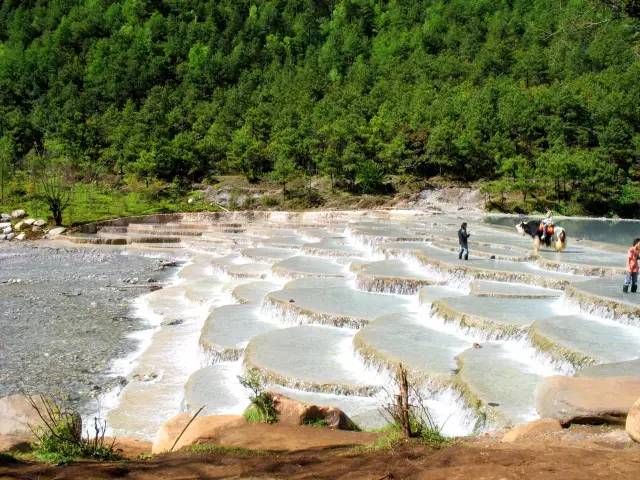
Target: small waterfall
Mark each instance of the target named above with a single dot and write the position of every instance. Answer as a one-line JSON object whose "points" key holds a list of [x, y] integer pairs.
{"points": [[371, 237]]}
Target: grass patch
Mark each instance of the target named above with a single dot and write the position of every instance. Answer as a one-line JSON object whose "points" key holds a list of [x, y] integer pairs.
{"points": [[434, 439], [253, 415], [390, 439], [59, 440], [92, 202], [316, 422], [262, 408], [210, 449], [62, 445]]}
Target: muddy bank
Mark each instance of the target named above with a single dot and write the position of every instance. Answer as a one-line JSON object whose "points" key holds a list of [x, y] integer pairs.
{"points": [[65, 315], [486, 459]]}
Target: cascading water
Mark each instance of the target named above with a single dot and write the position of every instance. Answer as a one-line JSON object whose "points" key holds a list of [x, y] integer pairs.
{"points": [[328, 311]]}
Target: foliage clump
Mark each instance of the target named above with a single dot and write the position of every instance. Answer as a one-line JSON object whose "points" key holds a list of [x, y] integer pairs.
{"points": [[262, 408], [535, 95], [409, 414], [60, 439]]}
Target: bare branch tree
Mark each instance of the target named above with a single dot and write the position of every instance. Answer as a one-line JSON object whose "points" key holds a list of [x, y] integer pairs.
{"points": [[56, 191], [409, 409]]}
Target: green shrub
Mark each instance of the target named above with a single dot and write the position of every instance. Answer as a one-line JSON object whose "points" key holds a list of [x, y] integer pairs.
{"points": [[262, 408], [316, 422], [433, 438], [369, 176], [60, 439], [392, 436], [409, 413], [270, 201]]}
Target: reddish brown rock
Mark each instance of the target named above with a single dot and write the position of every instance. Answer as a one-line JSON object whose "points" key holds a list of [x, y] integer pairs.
{"points": [[19, 417], [15, 443], [587, 400], [201, 430], [128, 447], [633, 421], [233, 431], [532, 429], [294, 412]]}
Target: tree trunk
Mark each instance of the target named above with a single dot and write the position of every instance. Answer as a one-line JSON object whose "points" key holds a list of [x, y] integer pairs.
{"points": [[403, 401], [57, 217]]}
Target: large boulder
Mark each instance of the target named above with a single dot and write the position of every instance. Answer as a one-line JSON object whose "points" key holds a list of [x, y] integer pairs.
{"points": [[533, 429], [18, 213], [15, 443], [19, 226], [200, 430], [21, 236], [29, 221], [293, 412], [5, 217], [40, 223], [18, 417], [54, 232], [587, 400], [633, 421], [234, 431], [4, 225], [17, 414], [128, 447]]}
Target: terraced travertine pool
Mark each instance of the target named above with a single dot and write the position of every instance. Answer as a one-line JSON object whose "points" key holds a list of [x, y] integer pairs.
{"points": [[326, 304]]}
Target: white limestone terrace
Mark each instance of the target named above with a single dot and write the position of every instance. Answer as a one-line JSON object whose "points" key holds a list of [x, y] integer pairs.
{"points": [[326, 304], [390, 276]]}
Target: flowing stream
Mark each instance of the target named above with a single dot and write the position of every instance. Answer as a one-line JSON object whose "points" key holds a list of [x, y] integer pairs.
{"points": [[325, 305]]}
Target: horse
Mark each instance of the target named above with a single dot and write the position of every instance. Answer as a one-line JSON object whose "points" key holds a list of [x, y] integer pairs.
{"points": [[555, 234]]}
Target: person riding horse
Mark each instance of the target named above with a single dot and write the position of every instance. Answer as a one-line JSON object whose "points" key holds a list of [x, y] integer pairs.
{"points": [[546, 226], [544, 232]]}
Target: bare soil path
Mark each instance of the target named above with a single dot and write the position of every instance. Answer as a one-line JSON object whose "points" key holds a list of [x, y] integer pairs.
{"points": [[475, 460]]}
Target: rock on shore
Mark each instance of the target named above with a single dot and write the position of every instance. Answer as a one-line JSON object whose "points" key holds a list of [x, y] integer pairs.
{"points": [[293, 412], [633, 421], [587, 400], [18, 419], [234, 431], [532, 429]]}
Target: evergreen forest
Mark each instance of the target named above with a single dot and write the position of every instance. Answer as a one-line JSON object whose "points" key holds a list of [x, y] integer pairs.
{"points": [[536, 100]]}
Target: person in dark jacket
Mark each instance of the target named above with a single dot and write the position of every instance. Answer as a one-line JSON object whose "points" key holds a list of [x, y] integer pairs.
{"points": [[463, 238]]}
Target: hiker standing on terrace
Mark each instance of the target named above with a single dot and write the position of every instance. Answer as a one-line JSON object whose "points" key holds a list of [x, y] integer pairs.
{"points": [[463, 236], [631, 277]]}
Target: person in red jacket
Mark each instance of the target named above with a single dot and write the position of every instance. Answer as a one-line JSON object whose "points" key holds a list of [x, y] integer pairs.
{"points": [[631, 278]]}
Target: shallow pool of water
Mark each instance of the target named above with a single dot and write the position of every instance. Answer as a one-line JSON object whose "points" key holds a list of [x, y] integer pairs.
{"points": [[619, 232]]}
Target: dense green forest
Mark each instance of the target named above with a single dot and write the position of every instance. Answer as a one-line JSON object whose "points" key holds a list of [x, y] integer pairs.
{"points": [[538, 98]]}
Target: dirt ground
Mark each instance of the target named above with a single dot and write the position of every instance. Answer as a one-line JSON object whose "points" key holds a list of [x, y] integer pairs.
{"points": [[464, 460]]}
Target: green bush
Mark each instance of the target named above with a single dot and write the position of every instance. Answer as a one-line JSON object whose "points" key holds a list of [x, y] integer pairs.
{"points": [[432, 437], [270, 201], [369, 177], [60, 439], [316, 422], [262, 408]]}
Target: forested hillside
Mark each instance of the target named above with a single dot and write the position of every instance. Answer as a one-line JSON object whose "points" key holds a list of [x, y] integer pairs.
{"points": [[540, 97]]}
